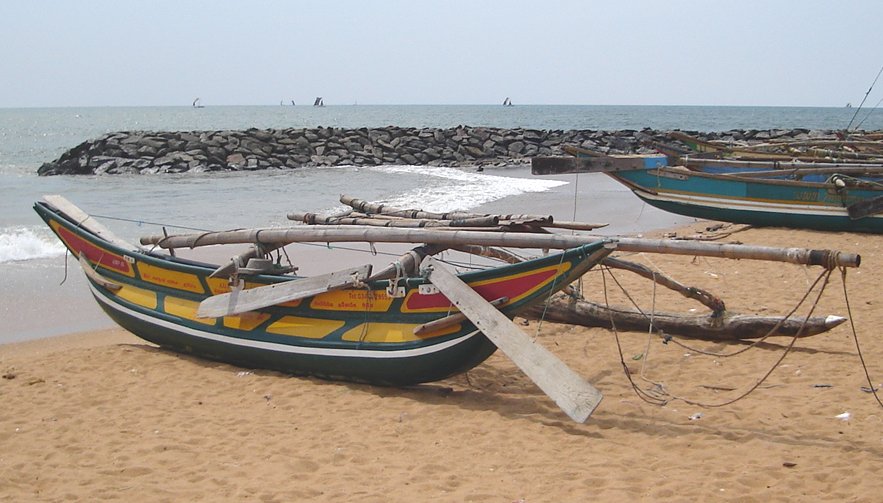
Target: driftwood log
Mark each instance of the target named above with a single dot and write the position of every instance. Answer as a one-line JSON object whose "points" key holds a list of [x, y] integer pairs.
{"points": [[715, 326], [726, 327]]}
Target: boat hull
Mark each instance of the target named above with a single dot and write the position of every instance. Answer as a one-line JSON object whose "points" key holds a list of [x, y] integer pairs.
{"points": [[760, 202], [355, 334]]}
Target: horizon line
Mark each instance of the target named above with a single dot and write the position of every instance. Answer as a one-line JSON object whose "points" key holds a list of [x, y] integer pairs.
{"points": [[336, 105]]}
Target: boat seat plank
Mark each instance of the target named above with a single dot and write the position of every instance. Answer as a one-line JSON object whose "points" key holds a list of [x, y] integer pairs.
{"points": [[576, 397], [240, 301]]}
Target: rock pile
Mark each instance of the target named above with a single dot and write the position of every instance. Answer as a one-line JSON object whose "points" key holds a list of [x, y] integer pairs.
{"points": [[200, 151]]}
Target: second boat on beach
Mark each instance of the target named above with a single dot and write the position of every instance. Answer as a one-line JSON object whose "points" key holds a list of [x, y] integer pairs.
{"points": [[846, 198]]}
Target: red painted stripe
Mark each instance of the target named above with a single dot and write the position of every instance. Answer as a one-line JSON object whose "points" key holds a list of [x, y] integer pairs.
{"points": [[511, 288], [94, 253]]}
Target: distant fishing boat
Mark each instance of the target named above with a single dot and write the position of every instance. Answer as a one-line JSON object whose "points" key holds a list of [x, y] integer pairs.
{"points": [[507, 102], [196, 104], [845, 198], [319, 102]]}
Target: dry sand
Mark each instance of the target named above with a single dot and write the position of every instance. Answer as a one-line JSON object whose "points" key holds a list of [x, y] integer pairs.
{"points": [[103, 416]]}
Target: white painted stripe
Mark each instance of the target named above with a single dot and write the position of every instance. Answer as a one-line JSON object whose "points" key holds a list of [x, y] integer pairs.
{"points": [[741, 204], [282, 348]]}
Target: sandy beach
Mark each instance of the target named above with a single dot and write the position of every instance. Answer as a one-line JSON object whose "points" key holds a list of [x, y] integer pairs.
{"points": [[105, 416]]}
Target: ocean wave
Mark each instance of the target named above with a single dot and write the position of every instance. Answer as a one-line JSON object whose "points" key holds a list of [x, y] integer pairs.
{"points": [[456, 189], [28, 243]]}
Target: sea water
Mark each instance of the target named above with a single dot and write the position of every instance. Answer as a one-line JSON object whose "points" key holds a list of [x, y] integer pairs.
{"points": [[33, 263]]}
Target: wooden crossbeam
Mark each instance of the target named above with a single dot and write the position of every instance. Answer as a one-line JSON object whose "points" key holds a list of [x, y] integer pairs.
{"points": [[240, 301]]}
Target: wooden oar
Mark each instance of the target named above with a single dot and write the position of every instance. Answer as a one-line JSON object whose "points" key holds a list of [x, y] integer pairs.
{"points": [[240, 301], [450, 320], [576, 397]]}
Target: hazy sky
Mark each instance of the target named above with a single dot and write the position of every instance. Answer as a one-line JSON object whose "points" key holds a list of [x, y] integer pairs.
{"points": [[616, 52]]}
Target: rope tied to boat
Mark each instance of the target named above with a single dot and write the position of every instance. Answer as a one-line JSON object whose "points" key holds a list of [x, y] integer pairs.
{"points": [[357, 281], [658, 395], [416, 257], [871, 388], [195, 241], [393, 288], [833, 260], [827, 259]]}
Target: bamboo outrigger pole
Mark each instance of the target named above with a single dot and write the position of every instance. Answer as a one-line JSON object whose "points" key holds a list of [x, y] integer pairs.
{"points": [[383, 210], [337, 234]]}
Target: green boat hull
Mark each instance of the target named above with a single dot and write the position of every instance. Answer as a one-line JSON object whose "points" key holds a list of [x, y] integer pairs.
{"points": [[356, 334], [755, 201]]}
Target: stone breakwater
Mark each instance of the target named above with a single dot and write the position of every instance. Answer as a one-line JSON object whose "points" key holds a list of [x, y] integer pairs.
{"points": [[133, 152]]}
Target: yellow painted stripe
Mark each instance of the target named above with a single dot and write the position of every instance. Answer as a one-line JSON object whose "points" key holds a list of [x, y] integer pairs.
{"points": [[139, 296], [245, 321], [186, 309], [311, 328], [392, 332], [375, 301], [170, 279], [218, 286]]}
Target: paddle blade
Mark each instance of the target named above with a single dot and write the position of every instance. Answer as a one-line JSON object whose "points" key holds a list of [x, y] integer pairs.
{"points": [[573, 394]]}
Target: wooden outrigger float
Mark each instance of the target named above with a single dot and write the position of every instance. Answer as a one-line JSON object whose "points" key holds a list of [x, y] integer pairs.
{"points": [[411, 323]]}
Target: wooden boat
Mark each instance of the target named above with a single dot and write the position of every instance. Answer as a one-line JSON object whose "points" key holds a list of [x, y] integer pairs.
{"points": [[415, 325], [846, 199], [359, 332]]}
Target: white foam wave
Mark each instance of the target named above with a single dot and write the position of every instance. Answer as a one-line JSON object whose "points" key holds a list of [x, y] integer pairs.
{"points": [[28, 243], [450, 189]]}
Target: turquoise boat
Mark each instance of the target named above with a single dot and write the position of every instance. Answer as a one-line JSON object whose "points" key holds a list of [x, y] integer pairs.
{"points": [[845, 199]]}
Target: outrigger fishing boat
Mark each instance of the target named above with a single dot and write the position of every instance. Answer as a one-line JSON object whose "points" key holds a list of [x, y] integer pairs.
{"points": [[832, 197], [411, 323]]}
